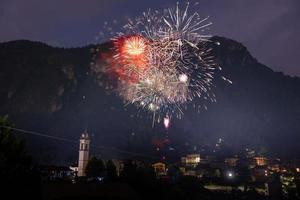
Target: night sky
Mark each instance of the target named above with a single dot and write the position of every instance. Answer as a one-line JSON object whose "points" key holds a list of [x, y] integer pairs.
{"points": [[269, 28]]}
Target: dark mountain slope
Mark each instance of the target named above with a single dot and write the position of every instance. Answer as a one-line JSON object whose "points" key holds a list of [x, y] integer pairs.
{"points": [[53, 90]]}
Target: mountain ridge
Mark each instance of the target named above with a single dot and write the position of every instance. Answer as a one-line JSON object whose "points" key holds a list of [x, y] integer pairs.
{"points": [[53, 89]]}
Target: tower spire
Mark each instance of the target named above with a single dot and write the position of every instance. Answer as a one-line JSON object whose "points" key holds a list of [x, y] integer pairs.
{"points": [[84, 147]]}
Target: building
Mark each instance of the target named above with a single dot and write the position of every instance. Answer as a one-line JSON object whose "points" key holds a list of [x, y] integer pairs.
{"points": [[84, 147], [159, 168], [250, 153], [55, 173], [231, 162], [260, 161], [191, 160], [274, 167]]}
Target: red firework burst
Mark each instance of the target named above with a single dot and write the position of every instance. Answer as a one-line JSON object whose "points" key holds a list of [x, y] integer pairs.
{"points": [[131, 55]]}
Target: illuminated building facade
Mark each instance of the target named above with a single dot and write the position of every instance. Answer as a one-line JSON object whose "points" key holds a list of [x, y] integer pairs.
{"points": [[191, 160], [260, 161], [159, 168]]}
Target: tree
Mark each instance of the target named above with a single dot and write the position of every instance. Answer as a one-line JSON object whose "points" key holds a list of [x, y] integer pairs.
{"points": [[174, 173], [129, 171], [216, 173], [111, 170], [14, 162], [95, 168], [17, 170]]}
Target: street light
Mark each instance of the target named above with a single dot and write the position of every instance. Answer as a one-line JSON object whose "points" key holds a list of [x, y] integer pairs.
{"points": [[230, 174]]}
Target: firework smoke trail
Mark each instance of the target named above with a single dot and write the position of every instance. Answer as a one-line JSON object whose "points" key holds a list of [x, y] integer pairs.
{"points": [[162, 61]]}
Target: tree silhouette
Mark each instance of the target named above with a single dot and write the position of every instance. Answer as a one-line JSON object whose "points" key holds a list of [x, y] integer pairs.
{"points": [[17, 170], [174, 173], [95, 168], [129, 171], [111, 171], [14, 162]]}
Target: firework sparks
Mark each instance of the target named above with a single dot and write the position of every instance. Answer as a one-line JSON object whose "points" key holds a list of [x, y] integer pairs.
{"points": [[162, 61], [135, 46], [166, 122]]}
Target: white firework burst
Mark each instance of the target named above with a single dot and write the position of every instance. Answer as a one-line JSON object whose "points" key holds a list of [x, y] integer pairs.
{"points": [[168, 61]]}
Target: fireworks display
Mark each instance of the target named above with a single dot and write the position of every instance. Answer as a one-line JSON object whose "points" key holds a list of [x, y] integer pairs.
{"points": [[162, 62]]}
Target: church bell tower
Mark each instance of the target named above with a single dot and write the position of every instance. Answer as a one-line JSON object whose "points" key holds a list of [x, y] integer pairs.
{"points": [[84, 147]]}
